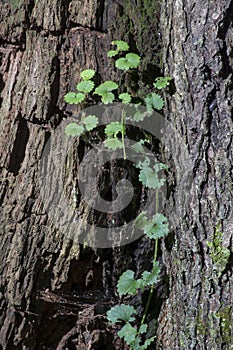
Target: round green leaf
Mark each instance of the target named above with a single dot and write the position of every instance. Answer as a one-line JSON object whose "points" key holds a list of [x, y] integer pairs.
{"points": [[113, 143], [133, 59], [73, 129], [122, 63], [121, 313], [107, 86], [127, 284], [125, 97], [107, 97], [113, 129], [90, 122], [85, 86], [74, 98], [154, 101], [87, 74], [112, 53], [121, 45]]}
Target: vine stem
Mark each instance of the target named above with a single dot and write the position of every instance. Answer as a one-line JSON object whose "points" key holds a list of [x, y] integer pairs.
{"points": [[123, 131], [154, 259]]}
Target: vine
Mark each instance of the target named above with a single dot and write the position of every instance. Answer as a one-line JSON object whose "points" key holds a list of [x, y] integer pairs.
{"points": [[149, 175]]}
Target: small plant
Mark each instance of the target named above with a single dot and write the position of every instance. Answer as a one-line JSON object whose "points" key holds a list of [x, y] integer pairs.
{"points": [[149, 175]]}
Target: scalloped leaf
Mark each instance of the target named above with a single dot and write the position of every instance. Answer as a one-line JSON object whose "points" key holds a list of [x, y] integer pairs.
{"points": [[87, 74], [138, 116], [125, 97], [120, 313], [90, 122], [150, 178], [112, 53], [127, 284], [113, 128], [113, 143], [121, 45], [74, 98], [157, 227], [74, 129], [133, 59], [154, 101], [162, 82], [128, 332], [107, 97], [107, 86], [152, 277], [122, 63], [85, 86]]}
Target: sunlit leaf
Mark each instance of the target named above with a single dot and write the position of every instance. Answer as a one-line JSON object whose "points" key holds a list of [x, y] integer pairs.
{"points": [[112, 53], [121, 45], [74, 98], [154, 101], [125, 97], [121, 313], [113, 143], [122, 63], [85, 86], [90, 122], [107, 97], [87, 74], [128, 332], [157, 227], [113, 128], [161, 82], [106, 87], [74, 129], [133, 59]]}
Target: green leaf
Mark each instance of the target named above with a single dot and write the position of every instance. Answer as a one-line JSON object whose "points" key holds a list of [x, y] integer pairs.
{"points": [[74, 98], [121, 45], [73, 129], [152, 277], [112, 53], [125, 97], [87, 74], [138, 116], [121, 313], [133, 59], [150, 179], [122, 63], [85, 86], [113, 143], [138, 146], [162, 82], [107, 86], [107, 97], [127, 284], [148, 342], [113, 128], [143, 328], [90, 122], [128, 332], [157, 227], [154, 101]]}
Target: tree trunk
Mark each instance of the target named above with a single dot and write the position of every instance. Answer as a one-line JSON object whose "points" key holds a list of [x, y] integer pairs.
{"points": [[197, 53], [48, 282]]}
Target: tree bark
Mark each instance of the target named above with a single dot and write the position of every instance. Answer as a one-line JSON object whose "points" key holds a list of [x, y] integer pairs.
{"points": [[46, 279], [197, 53]]}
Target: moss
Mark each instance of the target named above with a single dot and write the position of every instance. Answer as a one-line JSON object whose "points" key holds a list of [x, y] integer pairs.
{"points": [[226, 322], [219, 254]]}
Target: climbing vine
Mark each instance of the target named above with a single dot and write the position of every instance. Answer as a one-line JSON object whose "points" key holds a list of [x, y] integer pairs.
{"points": [[154, 228]]}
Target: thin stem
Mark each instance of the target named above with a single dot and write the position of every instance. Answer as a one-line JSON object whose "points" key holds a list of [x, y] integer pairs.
{"points": [[123, 131], [154, 259]]}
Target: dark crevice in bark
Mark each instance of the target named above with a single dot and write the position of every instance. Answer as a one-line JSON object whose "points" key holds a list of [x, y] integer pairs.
{"points": [[19, 147]]}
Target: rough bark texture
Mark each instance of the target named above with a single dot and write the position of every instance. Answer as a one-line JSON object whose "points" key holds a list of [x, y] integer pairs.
{"points": [[49, 284], [197, 39]]}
